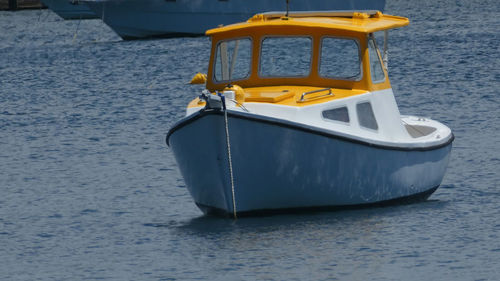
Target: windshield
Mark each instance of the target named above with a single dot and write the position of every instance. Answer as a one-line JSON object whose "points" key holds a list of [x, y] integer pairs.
{"points": [[340, 59], [285, 57], [233, 60], [376, 70]]}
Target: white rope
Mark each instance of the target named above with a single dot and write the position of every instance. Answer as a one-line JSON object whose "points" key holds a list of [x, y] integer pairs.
{"points": [[230, 162], [385, 58], [241, 105]]}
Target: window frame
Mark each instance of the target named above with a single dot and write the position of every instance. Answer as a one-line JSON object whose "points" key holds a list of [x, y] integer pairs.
{"points": [[214, 71], [372, 38], [348, 123], [360, 59], [373, 113], [311, 60]]}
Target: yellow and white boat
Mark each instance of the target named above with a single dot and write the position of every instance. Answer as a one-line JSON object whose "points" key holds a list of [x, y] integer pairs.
{"points": [[298, 113]]}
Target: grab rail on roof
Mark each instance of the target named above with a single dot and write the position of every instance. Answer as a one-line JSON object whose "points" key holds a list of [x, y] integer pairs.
{"points": [[304, 14]]}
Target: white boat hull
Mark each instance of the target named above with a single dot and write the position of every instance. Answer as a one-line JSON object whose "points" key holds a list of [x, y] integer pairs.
{"points": [[280, 165]]}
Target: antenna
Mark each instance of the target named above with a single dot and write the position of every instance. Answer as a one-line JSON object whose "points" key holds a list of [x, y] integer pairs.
{"points": [[287, 8]]}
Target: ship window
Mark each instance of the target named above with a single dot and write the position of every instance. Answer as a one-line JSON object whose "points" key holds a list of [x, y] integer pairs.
{"points": [[337, 114], [375, 64], [340, 59], [285, 57], [233, 60], [365, 116]]}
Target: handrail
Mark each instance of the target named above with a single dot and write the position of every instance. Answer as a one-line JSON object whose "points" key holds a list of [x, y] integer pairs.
{"points": [[304, 14], [316, 91]]}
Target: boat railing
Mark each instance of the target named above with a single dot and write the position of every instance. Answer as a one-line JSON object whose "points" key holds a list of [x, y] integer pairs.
{"points": [[303, 96], [305, 14]]}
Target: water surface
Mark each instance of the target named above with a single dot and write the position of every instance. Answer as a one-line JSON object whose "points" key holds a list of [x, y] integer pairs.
{"points": [[89, 190]]}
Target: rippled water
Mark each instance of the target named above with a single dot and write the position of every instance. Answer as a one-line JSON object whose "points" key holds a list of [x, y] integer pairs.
{"points": [[89, 190]]}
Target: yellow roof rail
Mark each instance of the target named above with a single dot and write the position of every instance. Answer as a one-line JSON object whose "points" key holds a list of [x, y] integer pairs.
{"points": [[364, 21], [307, 14]]}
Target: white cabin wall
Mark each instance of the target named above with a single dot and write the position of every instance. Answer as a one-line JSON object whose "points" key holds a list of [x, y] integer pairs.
{"points": [[388, 116], [385, 109]]}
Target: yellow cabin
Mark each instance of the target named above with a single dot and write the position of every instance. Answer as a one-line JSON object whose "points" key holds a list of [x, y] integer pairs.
{"points": [[272, 50]]}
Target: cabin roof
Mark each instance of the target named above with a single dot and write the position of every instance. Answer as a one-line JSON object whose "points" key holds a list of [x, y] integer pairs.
{"points": [[355, 21]]}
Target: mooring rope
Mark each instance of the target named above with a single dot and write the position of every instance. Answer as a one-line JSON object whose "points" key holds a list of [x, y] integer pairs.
{"points": [[230, 160], [76, 31]]}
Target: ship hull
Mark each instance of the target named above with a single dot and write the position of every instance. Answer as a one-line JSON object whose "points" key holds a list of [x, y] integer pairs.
{"points": [[137, 19], [280, 166]]}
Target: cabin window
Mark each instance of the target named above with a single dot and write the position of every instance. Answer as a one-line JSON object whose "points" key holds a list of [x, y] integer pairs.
{"points": [[285, 57], [233, 60], [340, 59], [337, 114], [376, 69], [366, 117]]}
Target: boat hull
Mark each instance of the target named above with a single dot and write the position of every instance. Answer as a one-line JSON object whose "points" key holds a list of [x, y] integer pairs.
{"points": [[136, 19], [279, 166], [70, 9]]}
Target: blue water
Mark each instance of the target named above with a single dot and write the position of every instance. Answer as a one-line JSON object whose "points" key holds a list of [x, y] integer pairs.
{"points": [[89, 190]]}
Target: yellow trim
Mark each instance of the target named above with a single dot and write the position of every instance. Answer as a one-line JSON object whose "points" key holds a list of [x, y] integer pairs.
{"points": [[314, 79], [287, 95], [196, 103]]}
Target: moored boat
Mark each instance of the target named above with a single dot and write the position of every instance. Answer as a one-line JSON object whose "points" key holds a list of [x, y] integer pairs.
{"points": [[298, 113], [136, 19]]}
